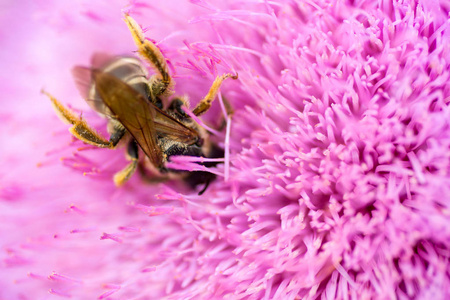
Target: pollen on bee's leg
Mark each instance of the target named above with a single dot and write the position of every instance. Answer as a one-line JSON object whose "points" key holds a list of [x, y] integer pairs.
{"points": [[64, 113], [205, 103], [124, 175], [83, 132], [80, 129], [162, 82]]}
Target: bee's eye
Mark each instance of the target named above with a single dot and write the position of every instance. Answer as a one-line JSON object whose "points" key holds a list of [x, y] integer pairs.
{"points": [[158, 102]]}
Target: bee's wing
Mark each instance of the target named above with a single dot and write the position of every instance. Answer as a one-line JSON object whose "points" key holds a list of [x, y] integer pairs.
{"points": [[129, 69], [86, 87], [132, 110], [141, 118], [168, 126]]}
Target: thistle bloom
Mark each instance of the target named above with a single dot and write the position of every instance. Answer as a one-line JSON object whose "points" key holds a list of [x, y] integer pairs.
{"points": [[335, 180]]}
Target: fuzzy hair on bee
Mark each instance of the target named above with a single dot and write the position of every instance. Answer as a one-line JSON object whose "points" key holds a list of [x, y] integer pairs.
{"points": [[120, 89]]}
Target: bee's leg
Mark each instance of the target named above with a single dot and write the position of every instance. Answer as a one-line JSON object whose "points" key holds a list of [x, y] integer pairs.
{"points": [[205, 104], [117, 131], [160, 84], [80, 129], [132, 154]]}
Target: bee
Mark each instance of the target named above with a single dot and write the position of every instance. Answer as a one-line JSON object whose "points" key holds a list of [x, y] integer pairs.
{"points": [[120, 89]]}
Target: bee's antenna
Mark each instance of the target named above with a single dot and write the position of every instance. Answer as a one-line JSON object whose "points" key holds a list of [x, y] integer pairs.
{"points": [[206, 186]]}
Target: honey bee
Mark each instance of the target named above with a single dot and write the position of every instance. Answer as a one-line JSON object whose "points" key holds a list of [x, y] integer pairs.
{"points": [[120, 89]]}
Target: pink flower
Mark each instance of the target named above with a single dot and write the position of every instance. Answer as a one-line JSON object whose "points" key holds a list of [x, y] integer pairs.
{"points": [[335, 181]]}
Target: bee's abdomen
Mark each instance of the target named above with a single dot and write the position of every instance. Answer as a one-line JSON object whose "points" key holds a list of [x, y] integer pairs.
{"points": [[131, 71]]}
